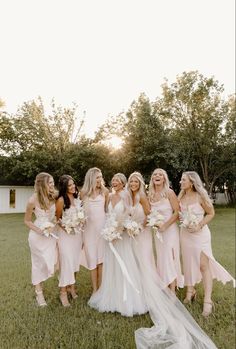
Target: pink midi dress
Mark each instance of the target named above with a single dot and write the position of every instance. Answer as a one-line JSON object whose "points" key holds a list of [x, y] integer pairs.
{"points": [[44, 252], [192, 245], [70, 246], [144, 239], [93, 243], [168, 250]]}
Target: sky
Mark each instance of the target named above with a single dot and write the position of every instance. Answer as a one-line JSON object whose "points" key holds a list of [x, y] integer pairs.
{"points": [[101, 54]]}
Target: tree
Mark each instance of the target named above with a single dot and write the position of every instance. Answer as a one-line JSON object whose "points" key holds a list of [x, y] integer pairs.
{"points": [[31, 129], [194, 112]]}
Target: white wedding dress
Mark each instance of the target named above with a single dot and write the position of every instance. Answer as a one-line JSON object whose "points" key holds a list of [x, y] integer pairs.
{"points": [[116, 294], [174, 327]]}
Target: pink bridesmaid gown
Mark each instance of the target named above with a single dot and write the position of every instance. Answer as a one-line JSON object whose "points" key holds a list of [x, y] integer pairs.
{"points": [[192, 244], [70, 246], [44, 254], [92, 239], [168, 250], [144, 239]]}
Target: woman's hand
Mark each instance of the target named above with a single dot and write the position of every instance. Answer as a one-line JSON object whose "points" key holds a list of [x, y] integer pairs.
{"points": [[162, 227], [195, 228]]}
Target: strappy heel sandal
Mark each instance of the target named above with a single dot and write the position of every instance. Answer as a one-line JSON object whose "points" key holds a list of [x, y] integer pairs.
{"points": [[193, 297], [64, 299], [72, 292], [208, 307], [40, 298]]}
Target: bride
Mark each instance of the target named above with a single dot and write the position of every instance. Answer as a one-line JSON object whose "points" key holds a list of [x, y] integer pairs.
{"points": [[125, 297], [131, 287]]}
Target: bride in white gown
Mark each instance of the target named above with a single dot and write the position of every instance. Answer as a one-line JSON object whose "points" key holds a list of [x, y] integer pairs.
{"points": [[131, 287], [115, 292]]}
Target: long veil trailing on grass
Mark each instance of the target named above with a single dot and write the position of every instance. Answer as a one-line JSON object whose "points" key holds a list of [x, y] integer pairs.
{"points": [[174, 327]]}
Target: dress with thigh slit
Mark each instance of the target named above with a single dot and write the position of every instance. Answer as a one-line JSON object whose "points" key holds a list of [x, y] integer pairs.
{"points": [[192, 245]]}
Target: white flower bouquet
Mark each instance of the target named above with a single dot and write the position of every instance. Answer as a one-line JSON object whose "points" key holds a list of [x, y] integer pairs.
{"points": [[47, 228], [132, 227], [155, 220], [111, 231], [73, 220], [188, 219]]}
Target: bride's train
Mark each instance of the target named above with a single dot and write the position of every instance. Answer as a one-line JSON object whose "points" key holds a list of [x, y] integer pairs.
{"points": [[174, 327]]}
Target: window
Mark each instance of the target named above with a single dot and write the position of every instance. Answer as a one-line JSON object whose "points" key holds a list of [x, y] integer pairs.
{"points": [[12, 198]]}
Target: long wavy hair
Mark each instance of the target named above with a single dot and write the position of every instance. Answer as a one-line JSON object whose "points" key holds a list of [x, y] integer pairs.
{"points": [[121, 177], [141, 189], [197, 187], [63, 189], [90, 184], [166, 186], [45, 198]]}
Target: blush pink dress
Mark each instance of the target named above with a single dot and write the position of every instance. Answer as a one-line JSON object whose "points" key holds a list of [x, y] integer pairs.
{"points": [[70, 246], [192, 244], [44, 253], [168, 250], [144, 239], [93, 243]]}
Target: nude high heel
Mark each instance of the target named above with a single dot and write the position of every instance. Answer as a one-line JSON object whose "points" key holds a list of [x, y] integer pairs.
{"points": [[64, 299], [190, 296], [40, 298], [208, 307], [72, 292]]}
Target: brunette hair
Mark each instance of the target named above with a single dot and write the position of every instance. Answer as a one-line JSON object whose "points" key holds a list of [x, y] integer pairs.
{"points": [[63, 188]]}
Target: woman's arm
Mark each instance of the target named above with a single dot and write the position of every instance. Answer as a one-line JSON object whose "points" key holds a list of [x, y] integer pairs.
{"points": [[106, 199], [145, 204], [209, 214], [59, 207], [175, 207], [28, 216]]}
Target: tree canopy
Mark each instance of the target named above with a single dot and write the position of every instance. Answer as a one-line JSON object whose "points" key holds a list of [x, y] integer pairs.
{"points": [[190, 127]]}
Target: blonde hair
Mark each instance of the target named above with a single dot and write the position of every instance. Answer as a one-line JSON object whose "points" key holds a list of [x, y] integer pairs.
{"points": [[151, 187], [142, 189], [40, 187], [197, 187], [121, 177], [89, 185]]}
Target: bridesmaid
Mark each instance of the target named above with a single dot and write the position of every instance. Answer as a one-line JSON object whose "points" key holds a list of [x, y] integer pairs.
{"points": [[70, 245], [139, 209], [43, 248], [162, 198], [198, 260], [95, 198]]}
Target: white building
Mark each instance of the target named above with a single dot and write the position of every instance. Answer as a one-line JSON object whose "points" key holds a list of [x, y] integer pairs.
{"points": [[13, 198]]}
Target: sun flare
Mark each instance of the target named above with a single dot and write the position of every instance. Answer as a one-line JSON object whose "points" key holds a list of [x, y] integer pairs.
{"points": [[114, 142]]}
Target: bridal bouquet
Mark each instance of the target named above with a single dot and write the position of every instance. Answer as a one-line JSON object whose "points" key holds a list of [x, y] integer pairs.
{"points": [[132, 227], [188, 219], [46, 227], [73, 220], [155, 220], [111, 231]]}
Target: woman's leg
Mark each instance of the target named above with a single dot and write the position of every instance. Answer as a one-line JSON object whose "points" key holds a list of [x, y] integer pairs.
{"points": [[207, 284], [63, 297]]}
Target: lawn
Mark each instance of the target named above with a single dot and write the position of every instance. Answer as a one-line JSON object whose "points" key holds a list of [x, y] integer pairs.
{"points": [[24, 325]]}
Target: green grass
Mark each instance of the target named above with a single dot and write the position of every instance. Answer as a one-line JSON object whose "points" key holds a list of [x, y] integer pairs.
{"points": [[24, 325]]}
